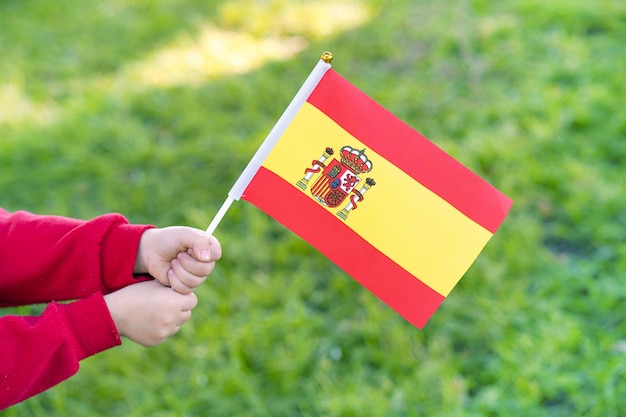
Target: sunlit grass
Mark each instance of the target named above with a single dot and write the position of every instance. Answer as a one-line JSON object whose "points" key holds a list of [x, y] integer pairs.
{"points": [[316, 19], [211, 53], [17, 107]]}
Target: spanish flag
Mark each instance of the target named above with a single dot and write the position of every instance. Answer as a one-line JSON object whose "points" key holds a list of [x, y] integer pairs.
{"points": [[381, 201]]}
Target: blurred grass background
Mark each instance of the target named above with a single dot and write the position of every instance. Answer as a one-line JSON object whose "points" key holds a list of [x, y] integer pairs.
{"points": [[152, 108]]}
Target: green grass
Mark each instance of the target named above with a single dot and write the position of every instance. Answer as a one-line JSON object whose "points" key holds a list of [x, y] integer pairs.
{"points": [[102, 109]]}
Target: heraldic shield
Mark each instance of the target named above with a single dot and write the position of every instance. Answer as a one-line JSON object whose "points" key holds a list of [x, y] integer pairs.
{"points": [[335, 184], [339, 179]]}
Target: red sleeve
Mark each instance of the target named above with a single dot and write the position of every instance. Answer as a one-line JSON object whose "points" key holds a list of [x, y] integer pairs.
{"points": [[46, 258], [37, 353]]}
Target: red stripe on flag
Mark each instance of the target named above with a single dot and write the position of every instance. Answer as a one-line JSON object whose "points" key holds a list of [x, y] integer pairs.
{"points": [[411, 152], [411, 298]]}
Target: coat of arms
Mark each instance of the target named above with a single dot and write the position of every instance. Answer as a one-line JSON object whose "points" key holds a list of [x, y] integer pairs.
{"points": [[339, 179]]}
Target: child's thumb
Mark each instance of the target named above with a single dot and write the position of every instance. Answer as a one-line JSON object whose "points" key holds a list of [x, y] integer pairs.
{"points": [[199, 245]]}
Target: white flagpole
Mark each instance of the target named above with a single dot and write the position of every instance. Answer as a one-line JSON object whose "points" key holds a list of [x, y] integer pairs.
{"points": [[275, 134], [219, 216]]}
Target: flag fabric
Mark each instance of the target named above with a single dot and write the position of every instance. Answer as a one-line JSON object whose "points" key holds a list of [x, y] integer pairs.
{"points": [[385, 204]]}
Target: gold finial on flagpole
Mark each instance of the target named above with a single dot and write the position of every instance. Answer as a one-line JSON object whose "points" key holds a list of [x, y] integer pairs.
{"points": [[327, 57]]}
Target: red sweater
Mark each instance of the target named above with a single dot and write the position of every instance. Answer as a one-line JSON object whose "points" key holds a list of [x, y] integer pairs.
{"points": [[44, 259]]}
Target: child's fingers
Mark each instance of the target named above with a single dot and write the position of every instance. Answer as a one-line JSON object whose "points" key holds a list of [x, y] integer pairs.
{"points": [[216, 249], [177, 285], [205, 249], [194, 267], [188, 302], [183, 280]]}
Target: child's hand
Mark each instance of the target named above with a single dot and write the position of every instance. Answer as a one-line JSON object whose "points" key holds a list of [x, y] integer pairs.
{"points": [[178, 257], [148, 313]]}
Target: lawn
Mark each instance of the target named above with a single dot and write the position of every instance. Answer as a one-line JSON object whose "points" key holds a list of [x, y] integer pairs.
{"points": [[152, 108]]}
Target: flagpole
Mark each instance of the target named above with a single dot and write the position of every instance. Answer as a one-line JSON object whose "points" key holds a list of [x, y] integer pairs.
{"points": [[275, 134], [219, 216]]}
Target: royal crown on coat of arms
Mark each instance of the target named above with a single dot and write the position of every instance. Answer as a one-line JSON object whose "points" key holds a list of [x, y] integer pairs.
{"points": [[339, 179]]}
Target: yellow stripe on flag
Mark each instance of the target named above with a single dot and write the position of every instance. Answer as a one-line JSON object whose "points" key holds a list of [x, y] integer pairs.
{"points": [[407, 222]]}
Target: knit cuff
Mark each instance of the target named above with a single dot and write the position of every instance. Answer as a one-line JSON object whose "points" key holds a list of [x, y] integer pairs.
{"points": [[118, 254], [91, 325]]}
